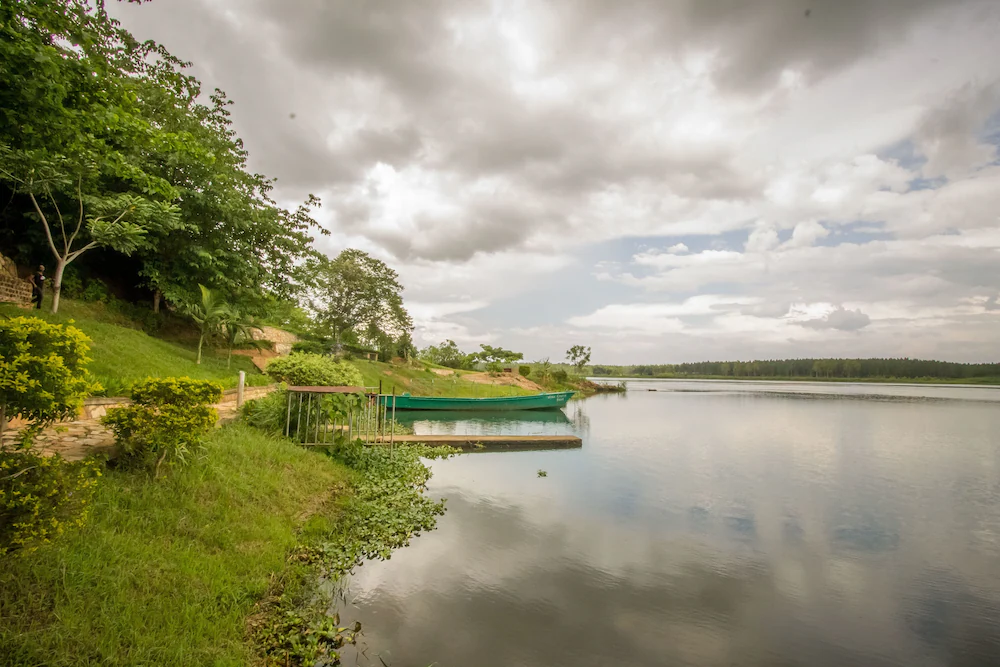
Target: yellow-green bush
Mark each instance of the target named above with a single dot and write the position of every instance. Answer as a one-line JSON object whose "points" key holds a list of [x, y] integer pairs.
{"points": [[41, 497], [43, 374], [166, 422], [312, 370]]}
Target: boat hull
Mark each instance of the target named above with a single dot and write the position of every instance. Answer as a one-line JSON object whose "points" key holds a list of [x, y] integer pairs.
{"points": [[547, 401]]}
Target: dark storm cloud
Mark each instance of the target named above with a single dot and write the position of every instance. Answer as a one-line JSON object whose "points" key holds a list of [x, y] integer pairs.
{"points": [[755, 41]]}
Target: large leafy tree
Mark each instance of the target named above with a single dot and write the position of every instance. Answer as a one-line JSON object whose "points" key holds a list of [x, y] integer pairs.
{"points": [[579, 356], [89, 115], [357, 298], [73, 129]]}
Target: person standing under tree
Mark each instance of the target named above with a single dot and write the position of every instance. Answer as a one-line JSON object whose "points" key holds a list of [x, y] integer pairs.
{"points": [[37, 286]]}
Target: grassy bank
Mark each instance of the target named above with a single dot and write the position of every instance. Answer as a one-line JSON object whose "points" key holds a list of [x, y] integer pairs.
{"points": [[423, 381], [166, 572], [122, 353]]}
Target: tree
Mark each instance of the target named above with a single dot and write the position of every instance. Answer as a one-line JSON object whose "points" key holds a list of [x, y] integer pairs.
{"points": [[495, 357], [358, 299], [208, 314], [579, 356], [447, 354], [120, 222], [43, 371], [237, 328]]}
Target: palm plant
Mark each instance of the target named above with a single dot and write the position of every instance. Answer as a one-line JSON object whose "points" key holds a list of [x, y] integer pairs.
{"points": [[238, 328], [208, 315]]}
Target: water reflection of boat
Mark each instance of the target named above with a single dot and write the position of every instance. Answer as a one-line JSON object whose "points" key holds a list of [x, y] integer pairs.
{"points": [[533, 416]]}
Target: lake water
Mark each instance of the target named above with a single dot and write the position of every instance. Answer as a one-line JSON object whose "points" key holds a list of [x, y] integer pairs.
{"points": [[709, 523]]}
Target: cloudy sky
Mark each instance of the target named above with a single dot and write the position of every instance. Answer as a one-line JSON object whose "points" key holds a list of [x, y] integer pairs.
{"points": [[665, 181]]}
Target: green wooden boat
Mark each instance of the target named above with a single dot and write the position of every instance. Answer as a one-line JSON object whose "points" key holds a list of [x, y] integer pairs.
{"points": [[547, 401]]}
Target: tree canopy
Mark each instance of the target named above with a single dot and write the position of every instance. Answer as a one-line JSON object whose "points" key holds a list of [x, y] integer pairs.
{"points": [[357, 299], [108, 141]]}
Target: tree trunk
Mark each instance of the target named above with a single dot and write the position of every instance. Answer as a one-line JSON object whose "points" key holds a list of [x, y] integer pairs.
{"points": [[156, 301], [201, 340], [229, 359], [3, 418], [57, 283]]}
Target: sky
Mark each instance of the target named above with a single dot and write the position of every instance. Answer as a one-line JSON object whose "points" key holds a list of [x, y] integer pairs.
{"points": [[662, 181]]}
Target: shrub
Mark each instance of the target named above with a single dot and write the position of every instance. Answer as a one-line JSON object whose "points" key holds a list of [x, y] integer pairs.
{"points": [[41, 497], [311, 347], [313, 370], [559, 375], [271, 414], [96, 291], [525, 371], [43, 374], [167, 421]]}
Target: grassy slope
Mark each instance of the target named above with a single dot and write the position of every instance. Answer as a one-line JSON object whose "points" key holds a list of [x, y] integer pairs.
{"points": [[122, 353], [166, 572], [421, 382]]}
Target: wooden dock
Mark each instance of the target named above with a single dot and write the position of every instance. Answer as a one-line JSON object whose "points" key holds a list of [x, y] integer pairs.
{"points": [[490, 442]]}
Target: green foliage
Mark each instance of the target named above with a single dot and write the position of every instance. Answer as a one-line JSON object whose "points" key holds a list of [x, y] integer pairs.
{"points": [[92, 117], [123, 354], [41, 497], [95, 291], [171, 571], [43, 370], [311, 347], [497, 356], [271, 413], [559, 375], [525, 371], [579, 356], [449, 355], [494, 367], [313, 370], [167, 421], [358, 299], [542, 473], [209, 313]]}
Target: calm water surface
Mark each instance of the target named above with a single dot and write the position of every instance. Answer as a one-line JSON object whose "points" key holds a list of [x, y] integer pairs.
{"points": [[709, 523]]}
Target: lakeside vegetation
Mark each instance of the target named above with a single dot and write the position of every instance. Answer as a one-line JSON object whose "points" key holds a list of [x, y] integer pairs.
{"points": [[833, 370], [123, 354]]}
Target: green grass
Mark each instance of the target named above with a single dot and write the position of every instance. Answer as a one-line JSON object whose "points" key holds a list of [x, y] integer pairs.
{"points": [[166, 572], [123, 354], [423, 382]]}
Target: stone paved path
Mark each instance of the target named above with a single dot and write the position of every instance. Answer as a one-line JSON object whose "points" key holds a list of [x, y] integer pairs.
{"points": [[77, 440]]}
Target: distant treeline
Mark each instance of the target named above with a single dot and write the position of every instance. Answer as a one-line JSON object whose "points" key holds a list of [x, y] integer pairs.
{"points": [[815, 368]]}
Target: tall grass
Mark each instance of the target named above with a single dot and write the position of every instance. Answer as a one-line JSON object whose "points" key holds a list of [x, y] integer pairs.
{"points": [[166, 572]]}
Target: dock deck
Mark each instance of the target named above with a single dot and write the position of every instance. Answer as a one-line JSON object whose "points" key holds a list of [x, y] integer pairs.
{"points": [[490, 442]]}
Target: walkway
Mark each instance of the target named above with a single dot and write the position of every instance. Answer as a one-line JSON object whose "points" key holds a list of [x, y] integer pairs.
{"points": [[76, 440]]}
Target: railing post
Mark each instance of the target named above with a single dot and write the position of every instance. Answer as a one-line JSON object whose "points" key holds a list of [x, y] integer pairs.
{"points": [[239, 388]]}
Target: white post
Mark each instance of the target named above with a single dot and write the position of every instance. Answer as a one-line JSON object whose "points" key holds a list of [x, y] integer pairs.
{"points": [[239, 389]]}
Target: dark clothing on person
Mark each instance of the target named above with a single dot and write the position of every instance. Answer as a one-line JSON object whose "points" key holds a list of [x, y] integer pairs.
{"points": [[37, 288]]}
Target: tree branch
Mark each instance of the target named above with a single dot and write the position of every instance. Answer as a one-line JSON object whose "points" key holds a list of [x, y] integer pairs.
{"points": [[45, 224], [79, 220], [59, 215], [73, 255]]}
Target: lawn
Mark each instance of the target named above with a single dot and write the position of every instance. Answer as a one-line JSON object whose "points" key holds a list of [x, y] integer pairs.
{"points": [[166, 572], [122, 353]]}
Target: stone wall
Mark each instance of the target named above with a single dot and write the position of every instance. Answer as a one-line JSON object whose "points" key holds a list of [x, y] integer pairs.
{"points": [[12, 288], [282, 340]]}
